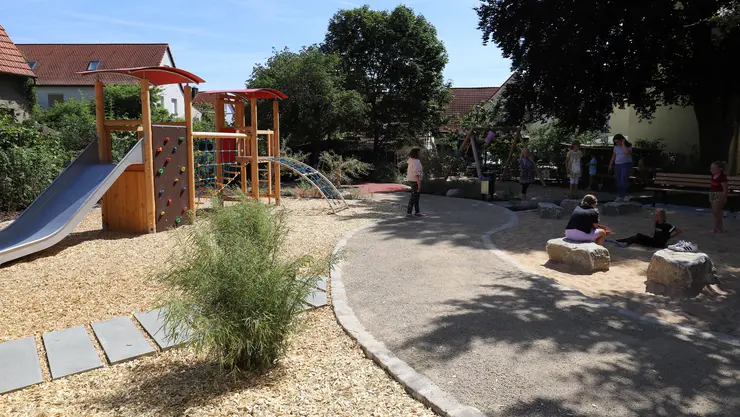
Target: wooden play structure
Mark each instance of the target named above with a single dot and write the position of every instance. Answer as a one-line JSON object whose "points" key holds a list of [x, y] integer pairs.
{"points": [[171, 170], [183, 169]]}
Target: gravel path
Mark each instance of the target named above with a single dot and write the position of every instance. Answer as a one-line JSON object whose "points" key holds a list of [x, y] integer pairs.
{"points": [[95, 275], [513, 344]]}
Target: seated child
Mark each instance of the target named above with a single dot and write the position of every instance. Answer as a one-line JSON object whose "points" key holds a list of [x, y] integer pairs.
{"points": [[584, 223], [663, 232]]}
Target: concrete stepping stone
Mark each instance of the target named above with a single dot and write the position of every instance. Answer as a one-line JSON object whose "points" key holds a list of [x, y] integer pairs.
{"points": [[70, 351], [121, 340], [19, 365], [153, 323], [321, 284], [315, 299]]}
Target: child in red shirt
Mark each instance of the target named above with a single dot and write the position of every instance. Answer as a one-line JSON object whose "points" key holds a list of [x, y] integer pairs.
{"points": [[718, 195]]}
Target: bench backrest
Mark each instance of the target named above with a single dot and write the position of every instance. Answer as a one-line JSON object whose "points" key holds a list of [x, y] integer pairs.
{"points": [[670, 179]]}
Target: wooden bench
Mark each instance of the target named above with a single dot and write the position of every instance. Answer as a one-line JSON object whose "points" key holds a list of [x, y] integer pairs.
{"points": [[667, 182]]}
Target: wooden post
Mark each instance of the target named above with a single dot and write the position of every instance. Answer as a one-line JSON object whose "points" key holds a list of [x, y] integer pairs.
{"points": [[276, 148], [187, 91], [254, 150], [146, 121], [220, 123], [104, 147], [239, 122]]}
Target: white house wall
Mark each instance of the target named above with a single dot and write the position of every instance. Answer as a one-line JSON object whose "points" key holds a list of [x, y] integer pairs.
{"points": [[677, 126], [78, 92]]}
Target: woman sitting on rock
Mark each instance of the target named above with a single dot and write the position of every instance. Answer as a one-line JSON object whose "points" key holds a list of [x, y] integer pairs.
{"points": [[584, 223]]}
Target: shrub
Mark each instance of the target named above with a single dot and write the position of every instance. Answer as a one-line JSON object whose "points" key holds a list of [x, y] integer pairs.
{"points": [[232, 288], [387, 172], [339, 169]]}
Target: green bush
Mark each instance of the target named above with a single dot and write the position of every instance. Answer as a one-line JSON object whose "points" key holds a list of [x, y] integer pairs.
{"points": [[29, 162], [341, 170], [234, 290]]}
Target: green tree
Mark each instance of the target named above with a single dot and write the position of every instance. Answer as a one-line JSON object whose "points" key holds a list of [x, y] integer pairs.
{"points": [[576, 60], [318, 108], [395, 61]]}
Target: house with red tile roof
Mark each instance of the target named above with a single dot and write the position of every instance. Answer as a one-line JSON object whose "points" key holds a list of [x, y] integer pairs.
{"points": [[463, 100], [15, 79], [57, 67]]}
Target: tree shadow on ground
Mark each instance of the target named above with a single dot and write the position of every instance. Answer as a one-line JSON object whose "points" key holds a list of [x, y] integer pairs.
{"points": [[455, 221], [639, 369], [169, 388]]}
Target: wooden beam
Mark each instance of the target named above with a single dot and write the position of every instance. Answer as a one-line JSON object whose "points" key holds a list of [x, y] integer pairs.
{"points": [[265, 132], [104, 146], [123, 128], [276, 149], [219, 135], [239, 126], [111, 123], [220, 124], [187, 92], [254, 151], [146, 121]]}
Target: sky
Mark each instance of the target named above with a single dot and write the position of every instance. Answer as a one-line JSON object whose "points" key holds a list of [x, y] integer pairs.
{"points": [[222, 40]]}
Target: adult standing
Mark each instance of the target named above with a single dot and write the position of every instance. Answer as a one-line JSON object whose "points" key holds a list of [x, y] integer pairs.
{"points": [[413, 176], [621, 163]]}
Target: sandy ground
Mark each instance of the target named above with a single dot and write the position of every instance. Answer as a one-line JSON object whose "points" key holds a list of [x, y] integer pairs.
{"points": [[717, 309], [94, 275]]}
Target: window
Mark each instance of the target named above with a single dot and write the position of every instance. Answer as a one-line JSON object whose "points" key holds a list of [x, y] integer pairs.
{"points": [[174, 106], [55, 98], [32, 64], [93, 65]]}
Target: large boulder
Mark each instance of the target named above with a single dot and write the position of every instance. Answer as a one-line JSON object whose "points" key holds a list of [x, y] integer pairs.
{"points": [[550, 211], [679, 274], [569, 205], [620, 208], [584, 257]]}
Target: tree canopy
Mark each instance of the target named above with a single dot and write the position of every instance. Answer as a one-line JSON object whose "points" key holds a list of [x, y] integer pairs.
{"points": [[395, 61], [577, 60], [318, 107]]}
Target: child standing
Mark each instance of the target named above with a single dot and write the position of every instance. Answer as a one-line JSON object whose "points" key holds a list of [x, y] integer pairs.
{"points": [[413, 176], [527, 171], [592, 173], [573, 166], [718, 195]]}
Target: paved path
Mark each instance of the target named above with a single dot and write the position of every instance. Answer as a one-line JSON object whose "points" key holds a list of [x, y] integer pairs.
{"points": [[513, 344]]}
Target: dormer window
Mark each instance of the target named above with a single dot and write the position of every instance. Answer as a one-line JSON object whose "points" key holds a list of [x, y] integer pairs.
{"points": [[32, 64], [93, 65]]}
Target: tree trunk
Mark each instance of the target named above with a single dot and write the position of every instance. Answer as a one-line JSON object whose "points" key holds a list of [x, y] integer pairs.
{"points": [[717, 118]]}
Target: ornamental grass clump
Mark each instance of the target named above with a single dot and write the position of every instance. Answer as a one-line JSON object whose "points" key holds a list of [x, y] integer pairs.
{"points": [[231, 290]]}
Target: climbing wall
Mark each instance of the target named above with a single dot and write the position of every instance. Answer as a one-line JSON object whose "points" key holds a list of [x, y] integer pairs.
{"points": [[170, 175]]}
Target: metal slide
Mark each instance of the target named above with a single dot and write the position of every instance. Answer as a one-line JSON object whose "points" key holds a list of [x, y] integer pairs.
{"points": [[63, 205]]}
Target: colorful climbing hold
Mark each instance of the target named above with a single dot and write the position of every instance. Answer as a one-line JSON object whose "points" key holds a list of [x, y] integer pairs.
{"points": [[166, 139], [177, 220], [182, 138], [184, 188], [161, 192], [174, 149], [168, 160], [182, 169], [169, 202], [177, 180], [184, 209], [160, 171], [162, 213], [159, 149]]}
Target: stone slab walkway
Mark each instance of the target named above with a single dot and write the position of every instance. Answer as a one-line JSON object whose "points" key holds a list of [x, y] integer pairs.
{"points": [[514, 344], [71, 351]]}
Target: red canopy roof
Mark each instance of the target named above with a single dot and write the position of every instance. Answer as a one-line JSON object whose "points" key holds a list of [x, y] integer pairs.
{"points": [[249, 93], [155, 75]]}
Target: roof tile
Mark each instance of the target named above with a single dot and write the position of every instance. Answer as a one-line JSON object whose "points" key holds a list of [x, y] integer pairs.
{"points": [[11, 60], [58, 64]]}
